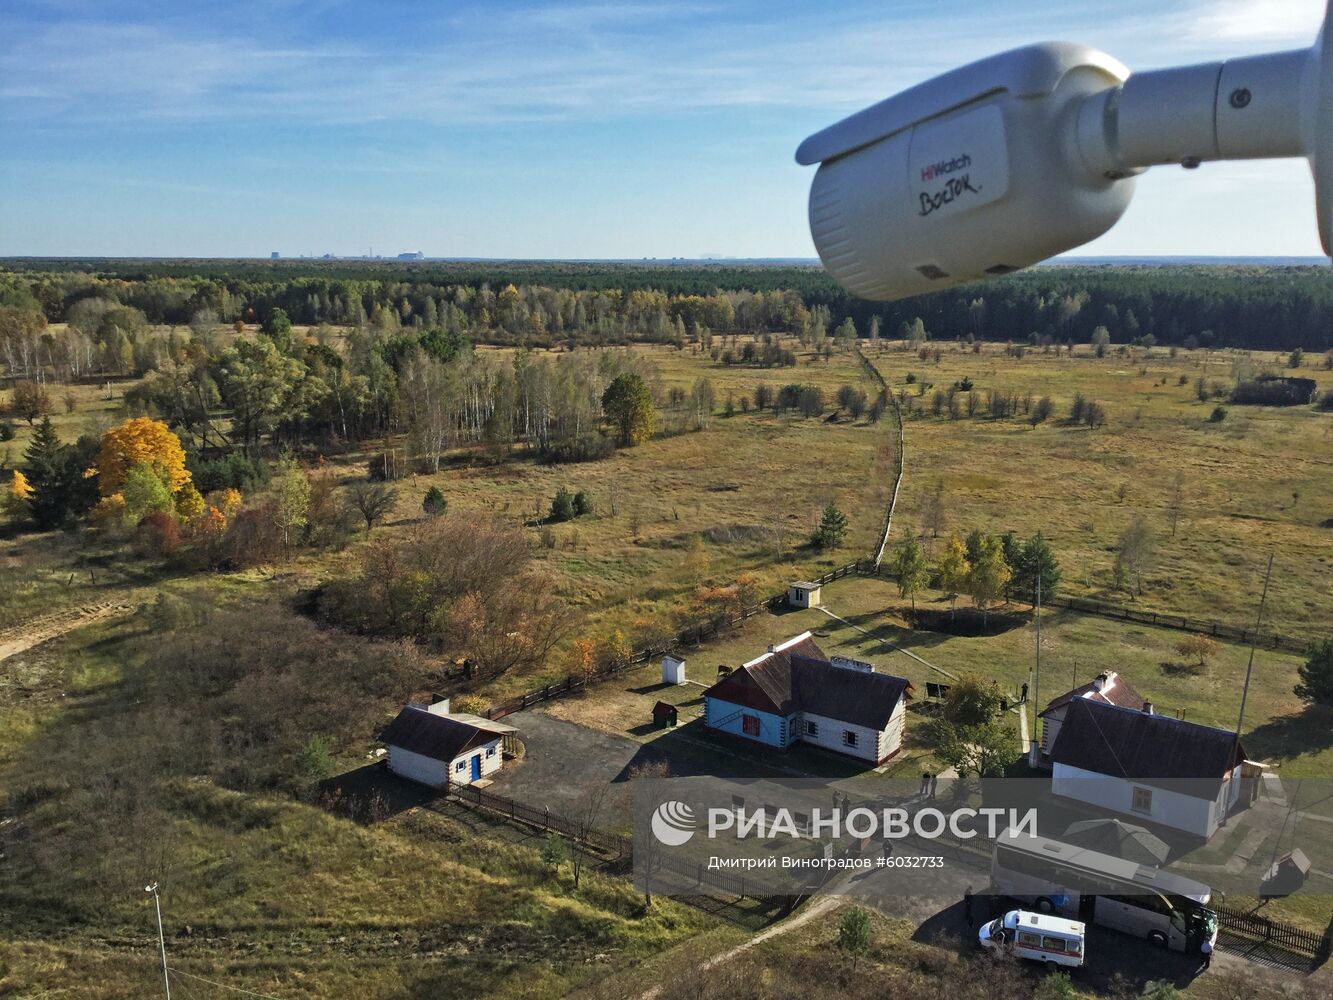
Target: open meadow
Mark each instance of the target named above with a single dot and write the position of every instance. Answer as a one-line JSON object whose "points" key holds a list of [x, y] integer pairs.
{"points": [[283, 895]]}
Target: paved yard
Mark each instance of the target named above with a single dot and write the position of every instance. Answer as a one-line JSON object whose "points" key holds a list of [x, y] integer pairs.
{"points": [[562, 760]]}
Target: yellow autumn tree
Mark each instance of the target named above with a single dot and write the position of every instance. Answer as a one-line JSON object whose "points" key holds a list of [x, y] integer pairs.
{"points": [[189, 503], [14, 501], [228, 503], [585, 657], [140, 440]]}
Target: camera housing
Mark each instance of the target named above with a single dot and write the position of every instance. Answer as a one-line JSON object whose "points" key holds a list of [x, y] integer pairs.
{"points": [[1005, 162]]}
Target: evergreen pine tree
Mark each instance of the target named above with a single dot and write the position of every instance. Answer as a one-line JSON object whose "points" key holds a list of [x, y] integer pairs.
{"points": [[832, 528], [434, 503], [47, 469], [1035, 555]]}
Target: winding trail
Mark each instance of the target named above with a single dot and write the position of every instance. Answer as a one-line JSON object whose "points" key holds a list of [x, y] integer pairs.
{"points": [[43, 628], [815, 908], [902, 455]]}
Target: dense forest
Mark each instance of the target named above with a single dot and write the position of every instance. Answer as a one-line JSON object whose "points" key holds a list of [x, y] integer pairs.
{"points": [[545, 303]]}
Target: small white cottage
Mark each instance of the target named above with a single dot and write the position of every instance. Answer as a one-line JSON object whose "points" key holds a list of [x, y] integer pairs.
{"points": [[435, 748]]}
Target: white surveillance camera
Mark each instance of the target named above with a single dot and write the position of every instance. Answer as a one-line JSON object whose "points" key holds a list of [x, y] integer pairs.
{"points": [[1002, 163]]}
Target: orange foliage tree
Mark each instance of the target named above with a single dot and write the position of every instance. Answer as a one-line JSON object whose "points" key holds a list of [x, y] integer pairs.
{"points": [[140, 440]]}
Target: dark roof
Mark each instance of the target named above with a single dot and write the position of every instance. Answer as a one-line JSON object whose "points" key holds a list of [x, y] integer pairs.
{"points": [[664, 708], [1150, 749], [1116, 691], [798, 677], [435, 736], [856, 696]]}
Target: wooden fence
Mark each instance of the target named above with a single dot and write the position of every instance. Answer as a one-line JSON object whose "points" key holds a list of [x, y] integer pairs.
{"points": [[692, 636], [620, 847], [543, 819], [697, 634], [1231, 633], [1241, 923], [1257, 927]]}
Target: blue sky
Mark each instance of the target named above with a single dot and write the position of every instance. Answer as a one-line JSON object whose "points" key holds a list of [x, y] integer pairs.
{"points": [[579, 129]]}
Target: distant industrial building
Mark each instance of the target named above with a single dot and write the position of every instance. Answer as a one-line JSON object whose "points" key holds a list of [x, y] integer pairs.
{"points": [[274, 255], [412, 255]]}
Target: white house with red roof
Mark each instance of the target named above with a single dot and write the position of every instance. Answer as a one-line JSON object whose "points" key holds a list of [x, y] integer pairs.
{"points": [[1107, 688]]}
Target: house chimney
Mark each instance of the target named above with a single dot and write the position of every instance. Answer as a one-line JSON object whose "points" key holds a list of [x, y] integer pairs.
{"points": [[1099, 682], [1147, 708]]}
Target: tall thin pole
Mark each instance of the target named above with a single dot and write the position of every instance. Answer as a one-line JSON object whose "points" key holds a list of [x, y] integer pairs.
{"points": [[1036, 685], [161, 939], [1245, 691]]}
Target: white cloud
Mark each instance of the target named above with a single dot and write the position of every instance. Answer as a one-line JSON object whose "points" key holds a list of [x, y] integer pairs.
{"points": [[1268, 21]]}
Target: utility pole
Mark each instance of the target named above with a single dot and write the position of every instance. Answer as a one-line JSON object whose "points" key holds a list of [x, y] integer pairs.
{"points": [[1036, 686], [161, 940], [1245, 691]]}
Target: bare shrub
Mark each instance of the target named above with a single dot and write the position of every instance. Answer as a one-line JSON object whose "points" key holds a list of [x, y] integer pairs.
{"points": [[464, 585]]}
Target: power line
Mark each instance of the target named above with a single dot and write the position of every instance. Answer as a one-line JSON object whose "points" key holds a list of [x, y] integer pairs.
{"points": [[223, 986]]}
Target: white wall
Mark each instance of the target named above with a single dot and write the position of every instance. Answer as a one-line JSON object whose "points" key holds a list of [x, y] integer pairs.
{"points": [[1050, 728], [871, 744], [489, 764], [415, 767], [801, 598], [438, 773], [1169, 808]]}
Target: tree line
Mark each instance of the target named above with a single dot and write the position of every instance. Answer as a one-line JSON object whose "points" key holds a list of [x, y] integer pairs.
{"points": [[1253, 307]]}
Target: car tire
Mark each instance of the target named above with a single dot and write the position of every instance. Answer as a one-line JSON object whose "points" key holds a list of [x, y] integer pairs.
{"points": [[1045, 905], [1157, 938]]}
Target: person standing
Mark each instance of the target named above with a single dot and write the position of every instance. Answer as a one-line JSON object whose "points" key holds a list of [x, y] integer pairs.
{"points": [[934, 784], [925, 783]]}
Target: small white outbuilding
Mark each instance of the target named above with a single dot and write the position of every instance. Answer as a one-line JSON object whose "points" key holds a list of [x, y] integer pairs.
{"points": [[803, 594], [437, 749], [673, 670]]}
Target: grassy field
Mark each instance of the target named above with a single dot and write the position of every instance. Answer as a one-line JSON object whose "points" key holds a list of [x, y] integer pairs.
{"points": [[109, 784], [752, 485], [286, 898], [934, 961], [1260, 482]]}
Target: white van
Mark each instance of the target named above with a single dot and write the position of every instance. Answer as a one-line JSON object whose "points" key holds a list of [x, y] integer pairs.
{"points": [[1038, 936]]}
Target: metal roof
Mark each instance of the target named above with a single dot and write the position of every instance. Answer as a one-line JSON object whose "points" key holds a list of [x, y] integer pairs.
{"points": [[796, 676], [1149, 749], [439, 737]]}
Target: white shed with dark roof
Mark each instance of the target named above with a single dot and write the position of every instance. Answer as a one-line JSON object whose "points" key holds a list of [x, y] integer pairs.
{"points": [[437, 749]]}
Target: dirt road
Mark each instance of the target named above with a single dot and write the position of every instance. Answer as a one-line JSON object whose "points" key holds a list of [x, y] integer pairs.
{"points": [[35, 631]]}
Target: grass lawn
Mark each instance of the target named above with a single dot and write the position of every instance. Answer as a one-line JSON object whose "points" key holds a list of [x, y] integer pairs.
{"points": [[1075, 647]]}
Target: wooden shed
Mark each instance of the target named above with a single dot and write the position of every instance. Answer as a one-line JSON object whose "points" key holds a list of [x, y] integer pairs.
{"points": [[803, 594], [665, 715]]}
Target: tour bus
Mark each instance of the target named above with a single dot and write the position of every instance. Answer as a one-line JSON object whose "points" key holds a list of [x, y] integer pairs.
{"points": [[1166, 909], [1037, 936]]}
